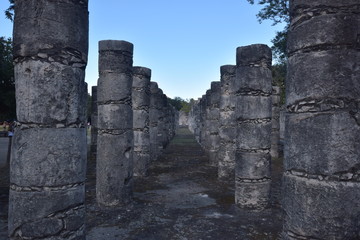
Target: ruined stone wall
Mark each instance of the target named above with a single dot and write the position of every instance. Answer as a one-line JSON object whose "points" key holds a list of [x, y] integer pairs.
{"points": [[322, 133], [114, 165], [48, 160], [253, 114]]}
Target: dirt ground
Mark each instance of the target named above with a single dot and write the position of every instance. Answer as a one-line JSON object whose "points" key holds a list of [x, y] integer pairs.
{"points": [[180, 199]]}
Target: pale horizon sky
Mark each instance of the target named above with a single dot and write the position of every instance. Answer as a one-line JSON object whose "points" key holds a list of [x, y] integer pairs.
{"points": [[184, 43]]}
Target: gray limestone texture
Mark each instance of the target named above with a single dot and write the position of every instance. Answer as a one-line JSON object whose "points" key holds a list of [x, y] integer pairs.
{"points": [[228, 124], [322, 126], [48, 162], [206, 130], [253, 116], [141, 121], [114, 164], [202, 120], [275, 124], [183, 118], [154, 120], [94, 119], [214, 123]]}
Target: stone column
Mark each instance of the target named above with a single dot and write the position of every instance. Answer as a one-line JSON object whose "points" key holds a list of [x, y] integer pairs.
{"points": [[213, 123], [154, 120], [253, 114], [48, 162], [94, 119], [196, 120], [275, 131], [114, 165], [161, 121], [140, 104], [228, 127], [202, 120], [322, 133], [206, 132]]}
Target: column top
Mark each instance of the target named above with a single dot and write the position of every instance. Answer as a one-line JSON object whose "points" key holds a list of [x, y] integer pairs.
{"points": [[253, 54], [115, 45], [143, 71], [227, 69]]}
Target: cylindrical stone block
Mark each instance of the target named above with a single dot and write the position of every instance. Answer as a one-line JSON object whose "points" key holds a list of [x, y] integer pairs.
{"points": [[253, 116], [275, 122], [141, 104], [154, 120], [214, 123], [322, 132], [228, 125], [48, 162], [94, 119], [202, 120], [114, 165]]}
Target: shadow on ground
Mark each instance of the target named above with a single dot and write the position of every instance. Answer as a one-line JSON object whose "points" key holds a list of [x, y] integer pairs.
{"points": [[182, 199]]}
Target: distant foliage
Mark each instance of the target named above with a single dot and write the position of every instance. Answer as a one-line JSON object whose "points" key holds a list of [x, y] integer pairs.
{"points": [[181, 104], [278, 76], [7, 84]]}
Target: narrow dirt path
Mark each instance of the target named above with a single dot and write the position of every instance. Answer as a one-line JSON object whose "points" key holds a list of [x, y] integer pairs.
{"points": [[182, 199]]}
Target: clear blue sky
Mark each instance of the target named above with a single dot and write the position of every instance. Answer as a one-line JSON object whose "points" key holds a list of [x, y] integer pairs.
{"points": [[184, 42]]}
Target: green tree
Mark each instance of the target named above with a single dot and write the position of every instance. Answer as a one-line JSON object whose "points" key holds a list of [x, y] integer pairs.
{"points": [[181, 104], [9, 13], [7, 84], [276, 11]]}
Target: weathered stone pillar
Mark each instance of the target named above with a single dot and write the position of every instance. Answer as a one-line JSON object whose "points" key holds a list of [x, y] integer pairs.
{"points": [[140, 104], [183, 119], [161, 121], [214, 122], [275, 131], [114, 165], [48, 162], [196, 113], [194, 119], [322, 133], [206, 132], [253, 114], [154, 120], [202, 121], [94, 119], [228, 125]]}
